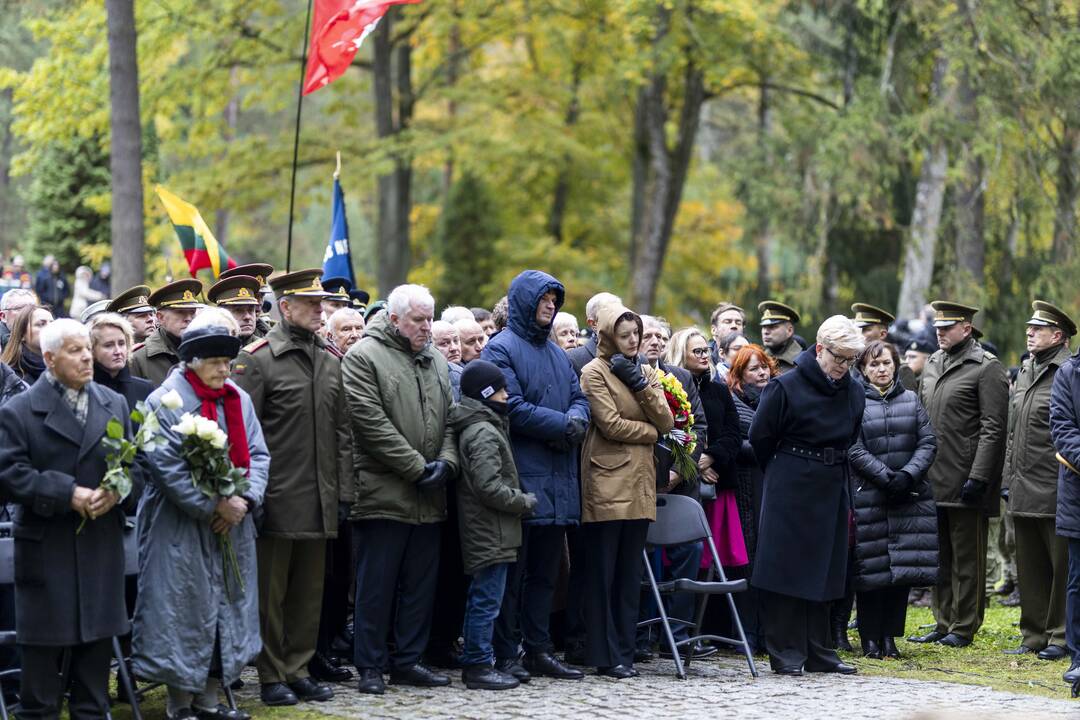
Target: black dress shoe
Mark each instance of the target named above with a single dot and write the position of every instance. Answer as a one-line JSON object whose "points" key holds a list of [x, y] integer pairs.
{"points": [[1053, 652], [419, 675], [220, 712], [931, 637], [839, 668], [870, 649], [954, 641], [485, 677], [326, 670], [644, 655], [619, 672], [515, 668], [1022, 650], [696, 651], [310, 691], [1073, 673], [547, 665], [371, 682], [277, 694], [788, 670], [889, 649]]}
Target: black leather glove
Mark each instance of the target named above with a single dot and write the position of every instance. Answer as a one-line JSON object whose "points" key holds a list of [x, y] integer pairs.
{"points": [[343, 509], [436, 474], [575, 430], [628, 372], [973, 491]]}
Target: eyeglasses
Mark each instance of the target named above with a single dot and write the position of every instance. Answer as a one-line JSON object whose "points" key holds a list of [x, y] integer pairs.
{"points": [[700, 352], [842, 360]]}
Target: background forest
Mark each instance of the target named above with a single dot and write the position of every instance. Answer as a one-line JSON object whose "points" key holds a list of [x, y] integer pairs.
{"points": [[678, 152]]}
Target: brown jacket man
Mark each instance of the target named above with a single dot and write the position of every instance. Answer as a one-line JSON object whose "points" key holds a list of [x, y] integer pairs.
{"points": [[965, 392]]}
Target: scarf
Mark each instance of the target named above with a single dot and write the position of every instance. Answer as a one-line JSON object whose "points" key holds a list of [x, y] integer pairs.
{"points": [[234, 415], [31, 365]]}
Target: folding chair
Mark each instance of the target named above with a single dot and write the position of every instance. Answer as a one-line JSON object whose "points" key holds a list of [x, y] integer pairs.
{"points": [[681, 520]]}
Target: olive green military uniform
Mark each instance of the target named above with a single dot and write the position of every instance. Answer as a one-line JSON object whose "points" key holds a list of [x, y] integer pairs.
{"points": [[966, 395], [774, 313], [238, 292], [1031, 476], [295, 386], [154, 358]]}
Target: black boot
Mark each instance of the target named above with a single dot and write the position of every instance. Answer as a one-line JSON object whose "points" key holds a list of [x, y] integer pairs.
{"points": [[326, 670], [485, 677], [839, 614], [871, 649], [889, 649]]}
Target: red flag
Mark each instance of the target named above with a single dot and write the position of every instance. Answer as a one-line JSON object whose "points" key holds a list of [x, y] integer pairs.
{"points": [[338, 29]]}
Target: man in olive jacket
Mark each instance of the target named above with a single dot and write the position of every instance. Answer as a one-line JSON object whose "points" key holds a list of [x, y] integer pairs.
{"points": [[295, 386], [1030, 486], [966, 393], [398, 389]]}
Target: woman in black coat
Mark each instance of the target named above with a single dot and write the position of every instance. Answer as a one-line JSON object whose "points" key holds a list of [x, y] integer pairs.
{"points": [[895, 516], [806, 421], [111, 340]]}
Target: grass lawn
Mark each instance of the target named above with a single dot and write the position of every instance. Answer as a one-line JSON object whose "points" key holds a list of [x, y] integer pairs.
{"points": [[981, 663], [153, 708]]}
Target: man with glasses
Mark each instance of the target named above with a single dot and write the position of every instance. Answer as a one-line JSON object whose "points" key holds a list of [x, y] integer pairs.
{"points": [[966, 393]]}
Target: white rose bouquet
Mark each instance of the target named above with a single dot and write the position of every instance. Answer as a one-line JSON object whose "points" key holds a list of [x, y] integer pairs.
{"points": [[117, 477], [205, 447]]}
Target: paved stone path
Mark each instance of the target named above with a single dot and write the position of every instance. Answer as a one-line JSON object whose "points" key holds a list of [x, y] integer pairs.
{"points": [[716, 689]]}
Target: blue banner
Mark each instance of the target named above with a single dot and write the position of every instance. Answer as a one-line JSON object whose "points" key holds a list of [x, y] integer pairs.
{"points": [[337, 262]]}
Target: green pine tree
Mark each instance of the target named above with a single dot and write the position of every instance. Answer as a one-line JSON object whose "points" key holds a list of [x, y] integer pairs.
{"points": [[468, 229]]}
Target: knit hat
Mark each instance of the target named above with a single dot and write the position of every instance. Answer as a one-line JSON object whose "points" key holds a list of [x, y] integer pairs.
{"points": [[481, 380], [210, 341]]}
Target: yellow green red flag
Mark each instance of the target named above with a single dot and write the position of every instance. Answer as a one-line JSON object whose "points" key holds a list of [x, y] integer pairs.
{"points": [[201, 248]]}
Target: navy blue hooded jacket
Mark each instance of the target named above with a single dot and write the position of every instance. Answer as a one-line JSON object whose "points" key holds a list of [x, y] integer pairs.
{"points": [[1065, 430], [543, 393]]}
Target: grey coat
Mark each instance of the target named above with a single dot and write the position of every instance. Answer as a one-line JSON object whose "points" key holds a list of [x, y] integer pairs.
{"points": [[182, 604]]}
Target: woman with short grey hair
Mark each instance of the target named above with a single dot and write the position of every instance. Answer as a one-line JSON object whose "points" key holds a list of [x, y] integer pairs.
{"points": [[807, 420]]}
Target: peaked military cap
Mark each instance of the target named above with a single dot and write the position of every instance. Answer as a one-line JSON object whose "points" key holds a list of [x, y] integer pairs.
{"points": [[1046, 314], [177, 295], [923, 345], [359, 299], [339, 287], [259, 271], [302, 283], [948, 313], [773, 312], [92, 310], [869, 315], [236, 290], [132, 300]]}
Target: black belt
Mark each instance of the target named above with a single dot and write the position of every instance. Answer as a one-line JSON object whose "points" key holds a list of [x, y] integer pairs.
{"points": [[827, 455]]}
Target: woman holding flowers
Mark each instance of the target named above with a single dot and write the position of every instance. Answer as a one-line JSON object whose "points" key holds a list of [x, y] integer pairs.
{"points": [[197, 615], [618, 486]]}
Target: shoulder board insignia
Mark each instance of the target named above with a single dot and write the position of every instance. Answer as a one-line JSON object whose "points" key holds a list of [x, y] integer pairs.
{"points": [[988, 354], [138, 346], [253, 346]]}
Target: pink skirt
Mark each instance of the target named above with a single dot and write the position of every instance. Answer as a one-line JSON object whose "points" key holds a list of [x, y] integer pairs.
{"points": [[723, 517]]}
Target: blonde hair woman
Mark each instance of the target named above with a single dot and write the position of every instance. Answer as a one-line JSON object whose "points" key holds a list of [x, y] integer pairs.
{"points": [[806, 421], [110, 342]]}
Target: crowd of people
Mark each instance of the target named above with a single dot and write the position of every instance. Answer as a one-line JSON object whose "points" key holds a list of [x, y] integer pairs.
{"points": [[395, 495]]}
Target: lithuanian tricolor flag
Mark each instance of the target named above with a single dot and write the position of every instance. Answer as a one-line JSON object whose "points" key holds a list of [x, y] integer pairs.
{"points": [[201, 248]]}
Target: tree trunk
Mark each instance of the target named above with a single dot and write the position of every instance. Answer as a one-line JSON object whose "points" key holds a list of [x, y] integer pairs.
{"points": [[926, 217], [762, 231], [970, 198], [453, 68], [1068, 188], [125, 158], [562, 182], [6, 231], [232, 115], [393, 256]]}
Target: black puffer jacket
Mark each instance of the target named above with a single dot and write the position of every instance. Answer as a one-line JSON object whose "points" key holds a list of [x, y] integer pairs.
{"points": [[10, 384], [895, 536]]}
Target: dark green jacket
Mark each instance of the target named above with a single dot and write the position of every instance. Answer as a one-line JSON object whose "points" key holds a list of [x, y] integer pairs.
{"points": [[967, 397], [785, 360], [1031, 470], [399, 404], [154, 358], [490, 501], [295, 386]]}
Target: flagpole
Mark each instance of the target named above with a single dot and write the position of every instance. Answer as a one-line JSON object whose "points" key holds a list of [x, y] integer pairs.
{"points": [[296, 136]]}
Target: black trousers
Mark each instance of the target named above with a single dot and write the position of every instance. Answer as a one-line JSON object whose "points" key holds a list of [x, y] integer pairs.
{"points": [[88, 672], [524, 618], [882, 612], [394, 560], [336, 585], [452, 584], [613, 571], [797, 632], [575, 596]]}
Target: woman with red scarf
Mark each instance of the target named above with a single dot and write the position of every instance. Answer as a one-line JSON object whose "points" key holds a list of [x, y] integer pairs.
{"points": [[191, 630]]}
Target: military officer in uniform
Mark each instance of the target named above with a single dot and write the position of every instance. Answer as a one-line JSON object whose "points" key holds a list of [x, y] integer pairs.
{"points": [[1030, 486], [359, 299], [874, 323], [966, 393], [240, 296], [262, 273], [295, 385], [133, 304], [778, 323], [917, 352], [176, 305]]}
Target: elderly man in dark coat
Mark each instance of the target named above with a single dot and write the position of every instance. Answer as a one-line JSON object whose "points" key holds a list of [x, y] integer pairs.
{"points": [[806, 422], [69, 584], [548, 418]]}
